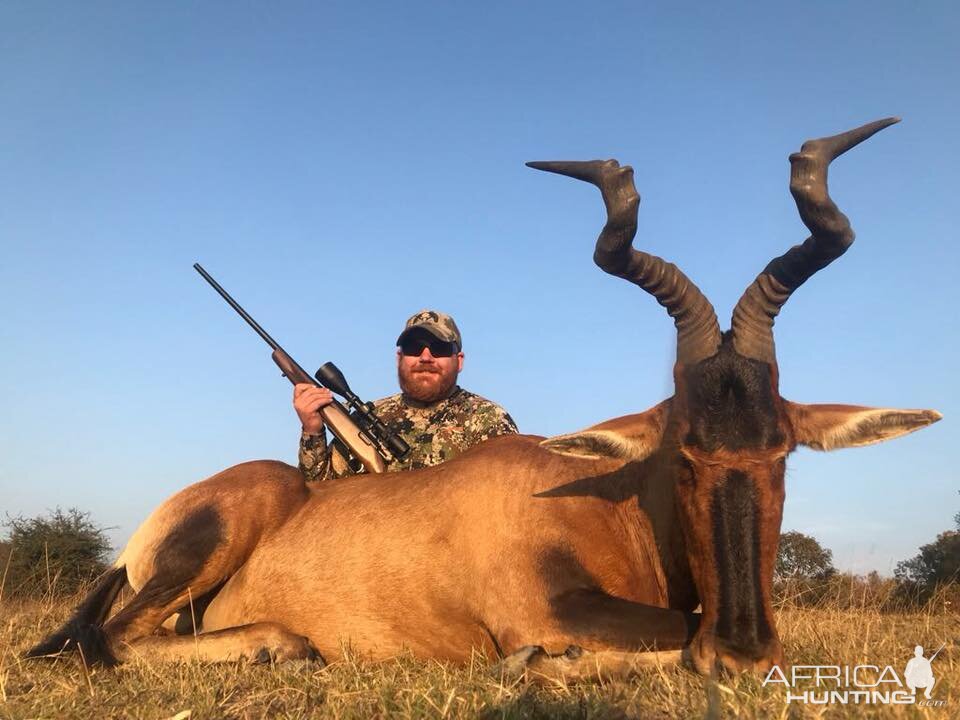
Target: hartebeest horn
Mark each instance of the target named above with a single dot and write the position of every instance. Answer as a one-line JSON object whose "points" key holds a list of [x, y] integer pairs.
{"points": [[698, 333], [754, 315]]}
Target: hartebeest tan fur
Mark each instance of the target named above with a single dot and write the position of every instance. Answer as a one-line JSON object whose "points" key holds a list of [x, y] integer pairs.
{"points": [[605, 540]]}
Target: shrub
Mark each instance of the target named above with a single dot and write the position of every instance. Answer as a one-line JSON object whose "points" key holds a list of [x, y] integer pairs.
{"points": [[937, 564], [934, 573], [53, 555], [801, 557]]}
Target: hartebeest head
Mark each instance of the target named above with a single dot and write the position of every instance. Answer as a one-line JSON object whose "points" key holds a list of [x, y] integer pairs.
{"points": [[726, 431]]}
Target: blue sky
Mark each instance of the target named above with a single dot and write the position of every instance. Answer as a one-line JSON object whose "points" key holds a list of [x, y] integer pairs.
{"points": [[339, 166]]}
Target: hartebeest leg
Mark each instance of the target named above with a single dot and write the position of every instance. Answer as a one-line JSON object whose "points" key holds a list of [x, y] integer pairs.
{"points": [[155, 602], [129, 633], [576, 664], [259, 643], [595, 620], [190, 559], [604, 636], [186, 549], [196, 541]]}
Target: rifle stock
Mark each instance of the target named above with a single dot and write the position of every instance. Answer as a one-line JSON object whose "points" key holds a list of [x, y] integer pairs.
{"points": [[334, 416]]}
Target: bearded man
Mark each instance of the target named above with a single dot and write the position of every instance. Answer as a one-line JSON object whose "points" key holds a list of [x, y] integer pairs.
{"points": [[436, 417]]}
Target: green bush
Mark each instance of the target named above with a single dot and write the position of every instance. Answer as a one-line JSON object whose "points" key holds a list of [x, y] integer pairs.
{"points": [[52, 555], [933, 575], [936, 565], [801, 557]]}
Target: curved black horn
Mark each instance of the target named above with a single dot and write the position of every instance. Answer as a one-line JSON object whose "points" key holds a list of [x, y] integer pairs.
{"points": [[754, 315], [698, 333]]}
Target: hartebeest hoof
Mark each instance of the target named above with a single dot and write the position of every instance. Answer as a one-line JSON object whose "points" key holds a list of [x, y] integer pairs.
{"points": [[264, 656], [268, 656], [514, 665], [281, 645]]}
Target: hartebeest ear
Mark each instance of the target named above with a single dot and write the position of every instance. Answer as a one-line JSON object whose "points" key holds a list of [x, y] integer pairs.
{"points": [[830, 427], [632, 437]]}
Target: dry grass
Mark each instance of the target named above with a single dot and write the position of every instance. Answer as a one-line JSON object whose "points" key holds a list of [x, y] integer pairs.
{"points": [[407, 688]]}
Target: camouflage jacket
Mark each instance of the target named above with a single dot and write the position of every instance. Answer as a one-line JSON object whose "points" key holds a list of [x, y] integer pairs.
{"points": [[434, 432]]}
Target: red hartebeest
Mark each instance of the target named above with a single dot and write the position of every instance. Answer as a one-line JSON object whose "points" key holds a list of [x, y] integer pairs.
{"points": [[606, 539]]}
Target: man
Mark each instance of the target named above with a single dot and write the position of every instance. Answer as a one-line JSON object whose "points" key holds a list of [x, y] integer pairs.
{"points": [[436, 417]]}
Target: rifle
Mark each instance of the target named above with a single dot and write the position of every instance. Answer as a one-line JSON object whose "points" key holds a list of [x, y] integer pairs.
{"points": [[942, 645], [366, 437]]}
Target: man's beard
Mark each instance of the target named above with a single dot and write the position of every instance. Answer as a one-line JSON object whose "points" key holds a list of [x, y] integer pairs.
{"points": [[425, 385]]}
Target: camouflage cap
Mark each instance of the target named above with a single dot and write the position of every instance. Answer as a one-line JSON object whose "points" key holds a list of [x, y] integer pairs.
{"points": [[438, 324]]}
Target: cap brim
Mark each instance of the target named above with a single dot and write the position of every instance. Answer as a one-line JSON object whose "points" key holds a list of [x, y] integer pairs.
{"points": [[424, 328]]}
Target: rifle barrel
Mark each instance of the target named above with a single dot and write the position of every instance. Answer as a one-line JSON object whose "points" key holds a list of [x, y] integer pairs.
{"points": [[236, 306]]}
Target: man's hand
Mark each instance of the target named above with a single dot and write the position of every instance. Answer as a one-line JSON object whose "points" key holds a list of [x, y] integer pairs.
{"points": [[307, 401]]}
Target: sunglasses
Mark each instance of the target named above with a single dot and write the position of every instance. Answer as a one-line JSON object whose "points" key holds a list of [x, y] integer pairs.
{"points": [[438, 348]]}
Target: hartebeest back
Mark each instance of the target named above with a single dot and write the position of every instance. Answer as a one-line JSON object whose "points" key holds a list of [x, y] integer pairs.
{"points": [[606, 539]]}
